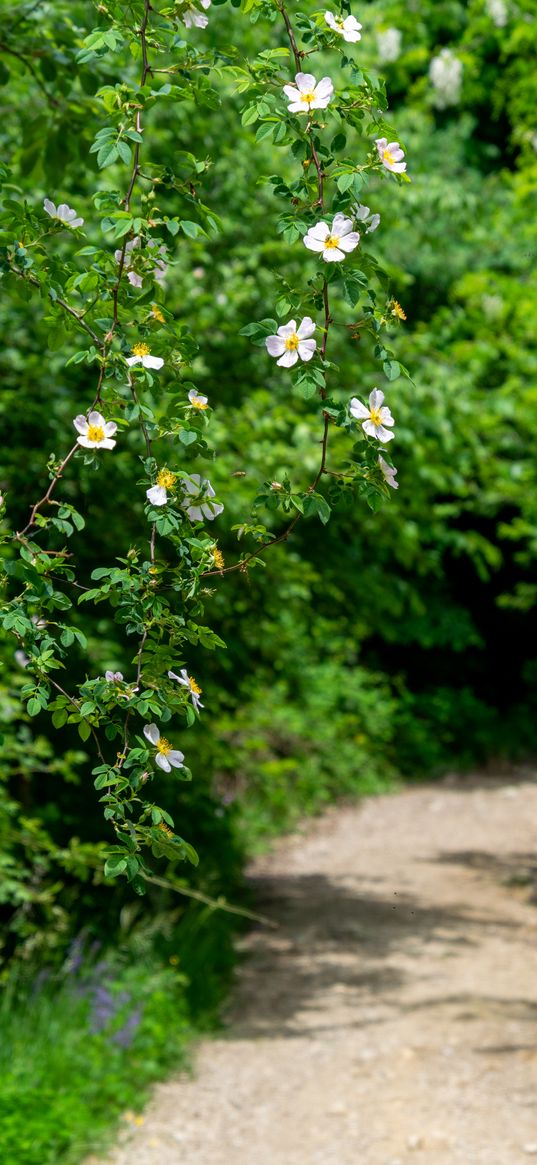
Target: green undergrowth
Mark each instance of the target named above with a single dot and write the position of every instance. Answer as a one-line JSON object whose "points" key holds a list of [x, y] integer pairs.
{"points": [[80, 1047]]}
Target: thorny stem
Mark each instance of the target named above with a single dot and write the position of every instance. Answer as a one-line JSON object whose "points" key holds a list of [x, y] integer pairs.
{"points": [[46, 496], [146, 69], [72, 701], [242, 565], [290, 33], [104, 346], [63, 304]]}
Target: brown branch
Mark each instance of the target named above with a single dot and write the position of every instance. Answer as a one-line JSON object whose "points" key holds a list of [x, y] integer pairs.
{"points": [[243, 563], [146, 69], [290, 33], [5, 48], [318, 167], [214, 903], [46, 496], [63, 304]]}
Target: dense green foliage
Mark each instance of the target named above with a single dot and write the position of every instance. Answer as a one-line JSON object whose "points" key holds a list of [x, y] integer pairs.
{"points": [[47, 1116], [394, 640]]}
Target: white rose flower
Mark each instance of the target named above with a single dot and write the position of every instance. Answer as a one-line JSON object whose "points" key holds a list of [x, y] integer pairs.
{"points": [[187, 681], [307, 93], [197, 400], [134, 279], [161, 267], [348, 28], [167, 758], [94, 431], [498, 12], [332, 242], [197, 501], [193, 18], [388, 473], [113, 677], [391, 155], [375, 418], [158, 494], [142, 355], [291, 342], [63, 213], [129, 248], [363, 214], [445, 73], [389, 44], [159, 271]]}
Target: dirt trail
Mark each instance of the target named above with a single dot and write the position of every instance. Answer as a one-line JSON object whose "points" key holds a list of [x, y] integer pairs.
{"points": [[391, 1019]]}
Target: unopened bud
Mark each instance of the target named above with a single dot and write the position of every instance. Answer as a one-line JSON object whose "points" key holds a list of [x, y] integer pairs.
{"points": [[276, 485]]}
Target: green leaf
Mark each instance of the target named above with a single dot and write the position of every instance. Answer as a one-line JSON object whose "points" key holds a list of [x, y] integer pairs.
{"points": [[249, 116], [265, 131], [124, 152], [114, 866], [344, 182], [192, 229], [391, 369], [107, 154]]}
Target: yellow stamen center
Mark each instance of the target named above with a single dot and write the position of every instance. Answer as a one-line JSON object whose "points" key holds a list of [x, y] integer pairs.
{"points": [[397, 310], [375, 416], [157, 314], [166, 478], [331, 241], [292, 342], [307, 98], [165, 829], [218, 558], [194, 687], [163, 746], [198, 403], [140, 350], [388, 157], [95, 433]]}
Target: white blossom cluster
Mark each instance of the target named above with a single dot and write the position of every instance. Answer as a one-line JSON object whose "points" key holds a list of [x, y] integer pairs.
{"points": [[445, 74], [498, 12], [389, 42], [332, 241]]}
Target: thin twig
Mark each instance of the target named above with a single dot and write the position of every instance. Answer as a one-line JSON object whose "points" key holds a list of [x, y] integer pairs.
{"points": [[214, 903], [63, 304], [5, 48], [290, 33]]}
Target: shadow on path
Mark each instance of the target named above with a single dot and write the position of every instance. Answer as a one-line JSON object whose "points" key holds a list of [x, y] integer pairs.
{"points": [[334, 938]]}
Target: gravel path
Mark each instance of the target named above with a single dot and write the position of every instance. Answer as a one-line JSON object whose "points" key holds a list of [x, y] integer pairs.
{"points": [[391, 1018]]}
